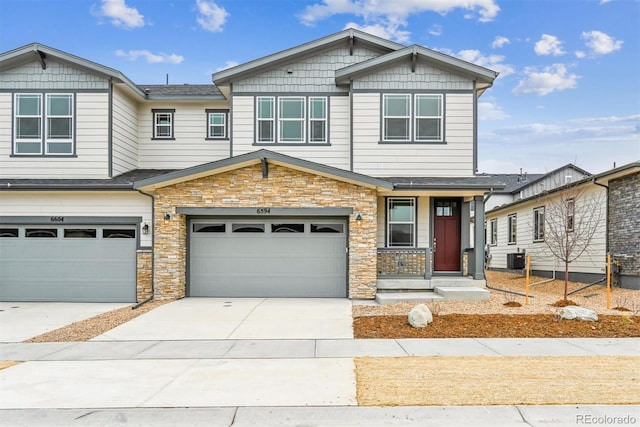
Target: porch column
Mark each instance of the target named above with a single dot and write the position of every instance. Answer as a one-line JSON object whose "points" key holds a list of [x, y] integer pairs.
{"points": [[478, 274]]}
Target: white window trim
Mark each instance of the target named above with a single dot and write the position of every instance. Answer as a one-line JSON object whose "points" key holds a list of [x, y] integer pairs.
{"points": [[416, 117], [385, 117], [571, 214], [493, 225], [413, 223], [537, 226], [171, 115], [302, 120], [512, 228], [210, 126], [16, 116], [272, 120], [324, 120], [48, 140]]}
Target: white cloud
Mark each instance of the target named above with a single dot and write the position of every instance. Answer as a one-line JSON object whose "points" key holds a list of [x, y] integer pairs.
{"points": [[120, 14], [151, 58], [435, 30], [550, 79], [499, 41], [580, 54], [389, 16], [600, 43], [549, 45], [489, 110], [227, 64], [493, 62], [389, 32], [211, 16], [540, 147], [605, 1]]}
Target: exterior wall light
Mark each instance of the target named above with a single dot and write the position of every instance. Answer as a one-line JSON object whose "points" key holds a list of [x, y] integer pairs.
{"points": [[167, 216], [358, 217], [145, 229]]}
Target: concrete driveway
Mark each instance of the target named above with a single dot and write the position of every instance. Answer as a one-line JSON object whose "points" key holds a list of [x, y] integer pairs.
{"points": [[23, 320], [240, 318]]}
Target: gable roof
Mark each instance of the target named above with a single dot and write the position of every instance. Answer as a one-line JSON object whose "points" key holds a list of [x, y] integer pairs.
{"points": [[351, 35], [482, 75], [264, 157]]}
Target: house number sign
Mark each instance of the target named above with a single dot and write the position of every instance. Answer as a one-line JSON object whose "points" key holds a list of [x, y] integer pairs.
{"points": [[57, 219], [263, 211]]}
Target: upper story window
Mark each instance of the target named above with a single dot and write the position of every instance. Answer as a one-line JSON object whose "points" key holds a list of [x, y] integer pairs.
{"points": [[412, 118], [401, 222], [291, 119], [163, 124], [217, 124], [43, 129]]}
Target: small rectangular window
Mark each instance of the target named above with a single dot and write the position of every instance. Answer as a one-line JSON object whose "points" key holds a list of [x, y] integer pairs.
{"points": [[80, 233], [9, 232], [163, 124], [287, 228], [538, 224], [118, 233], [513, 223], [396, 117], [493, 232], [327, 228], [28, 123], [41, 232], [59, 124], [401, 222], [428, 118], [247, 228], [216, 124], [571, 213], [209, 228], [317, 119], [291, 114]]}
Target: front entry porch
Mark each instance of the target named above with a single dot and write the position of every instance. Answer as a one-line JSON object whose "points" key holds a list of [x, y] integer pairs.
{"points": [[406, 275]]}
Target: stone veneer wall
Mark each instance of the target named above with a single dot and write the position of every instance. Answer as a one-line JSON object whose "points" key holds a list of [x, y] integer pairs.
{"points": [[144, 260], [245, 187], [624, 226]]}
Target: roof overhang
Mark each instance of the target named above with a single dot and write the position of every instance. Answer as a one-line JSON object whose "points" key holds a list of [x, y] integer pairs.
{"points": [[264, 158], [347, 36]]}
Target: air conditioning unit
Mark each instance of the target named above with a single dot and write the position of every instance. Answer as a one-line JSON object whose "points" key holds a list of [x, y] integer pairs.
{"points": [[515, 261]]}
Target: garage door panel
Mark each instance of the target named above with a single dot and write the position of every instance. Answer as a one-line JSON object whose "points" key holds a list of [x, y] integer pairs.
{"points": [[68, 269], [283, 264]]}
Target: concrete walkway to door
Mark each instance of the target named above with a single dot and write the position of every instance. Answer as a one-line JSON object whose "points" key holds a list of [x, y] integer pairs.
{"points": [[240, 318]]}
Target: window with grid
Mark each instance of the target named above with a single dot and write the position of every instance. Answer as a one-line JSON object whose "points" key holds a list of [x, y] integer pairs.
{"points": [[493, 224], [512, 220], [216, 124], [317, 119], [163, 124], [401, 222], [396, 117], [571, 213], [47, 130], [428, 118], [266, 118], [291, 119]]}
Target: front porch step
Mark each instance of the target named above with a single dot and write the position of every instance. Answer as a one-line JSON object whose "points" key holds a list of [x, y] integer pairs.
{"points": [[404, 284], [457, 281], [394, 297], [462, 293]]}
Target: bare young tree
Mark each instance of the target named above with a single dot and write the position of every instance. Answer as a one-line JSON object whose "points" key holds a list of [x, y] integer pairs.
{"points": [[571, 217]]}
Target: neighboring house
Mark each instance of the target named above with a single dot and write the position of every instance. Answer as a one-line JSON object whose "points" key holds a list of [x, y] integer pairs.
{"points": [[313, 172], [519, 227]]}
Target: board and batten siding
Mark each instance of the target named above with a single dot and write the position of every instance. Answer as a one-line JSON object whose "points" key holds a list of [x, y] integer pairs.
{"points": [[335, 154], [451, 159], [592, 261], [124, 133], [91, 143], [82, 204], [189, 146]]}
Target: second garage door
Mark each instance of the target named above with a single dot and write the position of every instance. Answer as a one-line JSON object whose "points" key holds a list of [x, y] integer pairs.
{"points": [[268, 258]]}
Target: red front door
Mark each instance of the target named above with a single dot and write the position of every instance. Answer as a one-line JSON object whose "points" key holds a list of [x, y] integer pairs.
{"points": [[446, 245]]}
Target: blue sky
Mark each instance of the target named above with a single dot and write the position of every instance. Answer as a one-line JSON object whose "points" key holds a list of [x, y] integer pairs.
{"points": [[569, 89]]}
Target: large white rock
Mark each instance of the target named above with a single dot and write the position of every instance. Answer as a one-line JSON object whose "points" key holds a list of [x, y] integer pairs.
{"points": [[420, 316], [572, 312]]}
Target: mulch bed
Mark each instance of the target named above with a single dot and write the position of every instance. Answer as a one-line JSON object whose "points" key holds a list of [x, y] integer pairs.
{"points": [[497, 326]]}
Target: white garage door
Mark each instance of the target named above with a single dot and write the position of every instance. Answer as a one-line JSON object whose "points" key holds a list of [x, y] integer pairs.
{"points": [[83, 263], [278, 257]]}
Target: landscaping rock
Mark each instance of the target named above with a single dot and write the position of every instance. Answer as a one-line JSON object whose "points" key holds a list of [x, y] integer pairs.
{"points": [[573, 312], [420, 316]]}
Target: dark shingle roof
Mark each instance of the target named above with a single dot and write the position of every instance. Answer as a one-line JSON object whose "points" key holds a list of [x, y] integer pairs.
{"points": [[479, 182], [124, 181], [515, 181], [181, 90]]}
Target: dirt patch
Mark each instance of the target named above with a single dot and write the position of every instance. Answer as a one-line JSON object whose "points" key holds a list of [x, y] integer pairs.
{"points": [[86, 329], [496, 326], [488, 380]]}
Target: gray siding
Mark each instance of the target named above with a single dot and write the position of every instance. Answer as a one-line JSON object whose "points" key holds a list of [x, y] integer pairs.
{"points": [[312, 74], [549, 182], [124, 133], [426, 77], [56, 76]]}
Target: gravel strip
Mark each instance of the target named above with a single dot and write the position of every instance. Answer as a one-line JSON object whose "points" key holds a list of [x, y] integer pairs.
{"points": [[541, 297]]}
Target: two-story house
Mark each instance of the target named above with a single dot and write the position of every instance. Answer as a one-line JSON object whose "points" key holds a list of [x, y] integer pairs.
{"points": [[317, 171]]}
